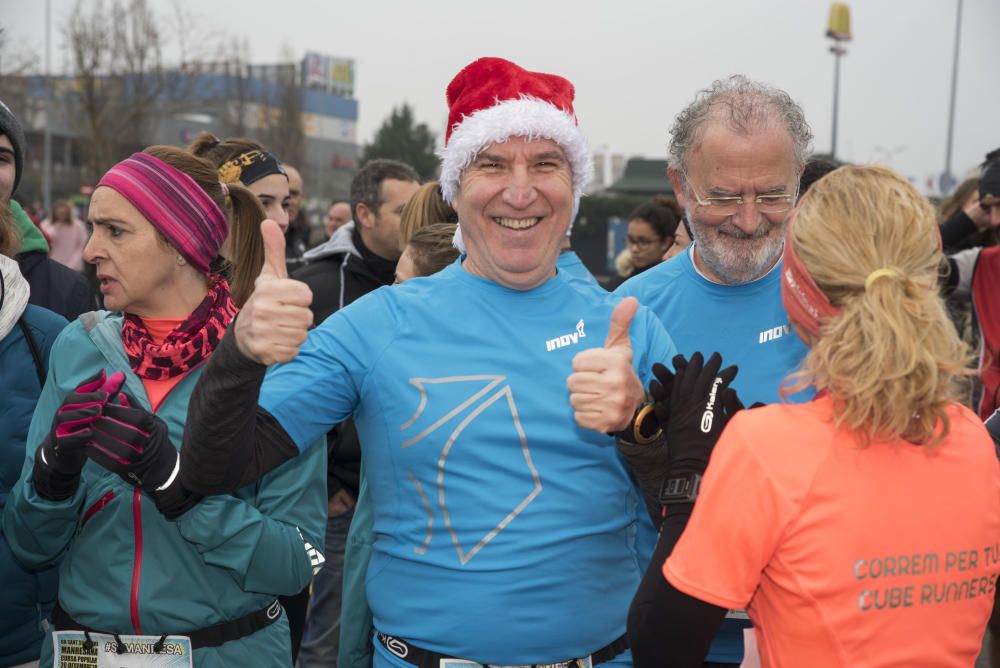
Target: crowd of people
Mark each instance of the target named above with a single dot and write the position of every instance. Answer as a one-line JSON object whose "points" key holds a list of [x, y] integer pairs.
{"points": [[434, 439]]}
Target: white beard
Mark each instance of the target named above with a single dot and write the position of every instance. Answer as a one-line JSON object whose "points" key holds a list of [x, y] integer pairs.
{"points": [[732, 255]]}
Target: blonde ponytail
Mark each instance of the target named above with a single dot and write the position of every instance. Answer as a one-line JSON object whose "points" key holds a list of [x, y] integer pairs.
{"points": [[890, 358]]}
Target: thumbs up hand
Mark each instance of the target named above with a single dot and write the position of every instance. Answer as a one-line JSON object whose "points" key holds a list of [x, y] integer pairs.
{"points": [[604, 389], [276, 318], [274, 251]]}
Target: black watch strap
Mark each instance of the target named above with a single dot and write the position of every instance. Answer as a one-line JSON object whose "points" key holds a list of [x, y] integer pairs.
{"points": [[680, 489]]}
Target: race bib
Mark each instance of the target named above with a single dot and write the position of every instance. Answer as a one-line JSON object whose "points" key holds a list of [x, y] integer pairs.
{"points": [[462, 663], [72, 651]]}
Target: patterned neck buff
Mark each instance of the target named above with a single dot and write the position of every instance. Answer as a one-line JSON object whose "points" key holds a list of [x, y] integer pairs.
{"points": [[185, 348]]}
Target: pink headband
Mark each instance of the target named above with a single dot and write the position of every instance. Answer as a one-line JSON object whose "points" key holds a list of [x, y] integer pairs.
{"points": [[174, 204], [804, 302]]}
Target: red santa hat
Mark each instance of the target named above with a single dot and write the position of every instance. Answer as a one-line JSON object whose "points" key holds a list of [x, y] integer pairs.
{"points": [[493, 99]]}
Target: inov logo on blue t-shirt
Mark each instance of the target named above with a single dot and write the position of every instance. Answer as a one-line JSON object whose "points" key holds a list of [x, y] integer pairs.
{"points": [[774, 333], [566, 339]]}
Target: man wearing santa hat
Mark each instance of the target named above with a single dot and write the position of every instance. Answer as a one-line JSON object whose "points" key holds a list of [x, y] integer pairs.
{"points": [[505, 521]]}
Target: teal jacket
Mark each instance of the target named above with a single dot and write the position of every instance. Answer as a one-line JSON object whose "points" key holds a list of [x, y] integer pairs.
{"points": [[123, 568]]}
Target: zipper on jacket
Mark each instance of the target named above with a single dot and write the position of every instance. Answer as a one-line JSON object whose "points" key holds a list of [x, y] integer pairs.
{"points": [[137, 559], [99, 505], [137, 529]]}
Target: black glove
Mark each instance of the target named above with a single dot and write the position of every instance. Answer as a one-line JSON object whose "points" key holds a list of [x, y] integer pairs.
{"points": [[993, 427], [135, 444], [59, 459], [701, 404]]}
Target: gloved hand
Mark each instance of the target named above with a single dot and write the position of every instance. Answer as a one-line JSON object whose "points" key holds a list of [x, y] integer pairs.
{"points": [[135, 444], [701, 404], [61, 456]]}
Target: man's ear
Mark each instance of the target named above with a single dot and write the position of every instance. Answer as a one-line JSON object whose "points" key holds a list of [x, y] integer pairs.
{"points": [[675, 182], [364, 216]]}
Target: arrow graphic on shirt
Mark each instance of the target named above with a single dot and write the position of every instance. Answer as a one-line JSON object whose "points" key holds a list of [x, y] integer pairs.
{"points": [[419, 383], [492, 383]]}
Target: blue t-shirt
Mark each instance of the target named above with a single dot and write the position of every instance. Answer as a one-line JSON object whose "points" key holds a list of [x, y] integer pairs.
{"points": [[748, 326], [504, 533], [571, 263]]}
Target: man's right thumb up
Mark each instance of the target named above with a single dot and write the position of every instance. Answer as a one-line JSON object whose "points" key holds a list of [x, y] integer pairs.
{"points": [[274, 250], [275, 320]]}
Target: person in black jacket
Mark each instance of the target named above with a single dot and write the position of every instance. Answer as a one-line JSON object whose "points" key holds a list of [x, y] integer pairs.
{"points": [[53, 286], [360, 257]]}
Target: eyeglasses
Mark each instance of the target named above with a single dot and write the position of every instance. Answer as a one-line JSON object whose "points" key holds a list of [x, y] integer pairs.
{"points": [[728, 206], [639, 242]]}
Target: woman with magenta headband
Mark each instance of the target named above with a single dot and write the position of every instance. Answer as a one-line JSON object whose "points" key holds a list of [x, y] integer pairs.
{"points": [[146, 568], [859, 529]]}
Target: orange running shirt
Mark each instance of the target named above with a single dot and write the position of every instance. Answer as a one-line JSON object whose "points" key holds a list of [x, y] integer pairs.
{"points": [[847, 556], [159, 328]]}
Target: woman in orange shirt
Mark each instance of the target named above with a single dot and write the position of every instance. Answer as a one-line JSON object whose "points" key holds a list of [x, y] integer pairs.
{"points": [[861, 529]]}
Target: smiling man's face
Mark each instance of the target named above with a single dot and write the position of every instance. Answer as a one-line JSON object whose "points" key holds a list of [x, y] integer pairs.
{"points": [[514, 206]]}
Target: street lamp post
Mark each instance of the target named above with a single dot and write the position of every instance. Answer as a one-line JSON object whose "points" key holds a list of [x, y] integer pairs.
{"points": [[47, 153], [838, 28], [947, 178]]}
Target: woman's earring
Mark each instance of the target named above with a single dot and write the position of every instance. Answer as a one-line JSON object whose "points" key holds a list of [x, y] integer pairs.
{"points": [[181, 260]]}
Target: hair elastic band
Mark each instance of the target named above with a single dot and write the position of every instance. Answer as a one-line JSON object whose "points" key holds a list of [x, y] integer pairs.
{"points": [[884, 272], [225, 188]]}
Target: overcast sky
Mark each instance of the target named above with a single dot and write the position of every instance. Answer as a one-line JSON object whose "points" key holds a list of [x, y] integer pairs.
{"points": [[636, 63]]}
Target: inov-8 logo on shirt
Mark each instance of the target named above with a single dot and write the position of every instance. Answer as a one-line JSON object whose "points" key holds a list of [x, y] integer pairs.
{"points": [[566, 339], [774, 333]]}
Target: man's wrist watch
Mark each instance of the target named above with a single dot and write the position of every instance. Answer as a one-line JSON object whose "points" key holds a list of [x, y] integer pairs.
{"points": [[680, 489]]}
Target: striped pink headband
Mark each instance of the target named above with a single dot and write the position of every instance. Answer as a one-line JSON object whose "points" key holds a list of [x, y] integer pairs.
{"points": [[174, 204]]}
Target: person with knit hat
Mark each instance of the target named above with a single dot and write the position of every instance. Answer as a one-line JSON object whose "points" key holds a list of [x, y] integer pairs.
{"points": [[11, 152], [53, 286], [145, 566], [483, 395]]}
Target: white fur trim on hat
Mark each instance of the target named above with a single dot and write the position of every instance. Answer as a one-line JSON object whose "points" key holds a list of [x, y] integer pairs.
{"points": [[526, 117]]}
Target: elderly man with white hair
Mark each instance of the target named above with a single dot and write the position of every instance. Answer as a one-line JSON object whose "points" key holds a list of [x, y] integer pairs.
{"points": [[505, 520], [735, 156]]}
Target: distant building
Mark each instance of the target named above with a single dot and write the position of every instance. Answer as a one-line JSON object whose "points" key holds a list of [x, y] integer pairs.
{"points": [[608, 168], [228, 99], [642, 177]]}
